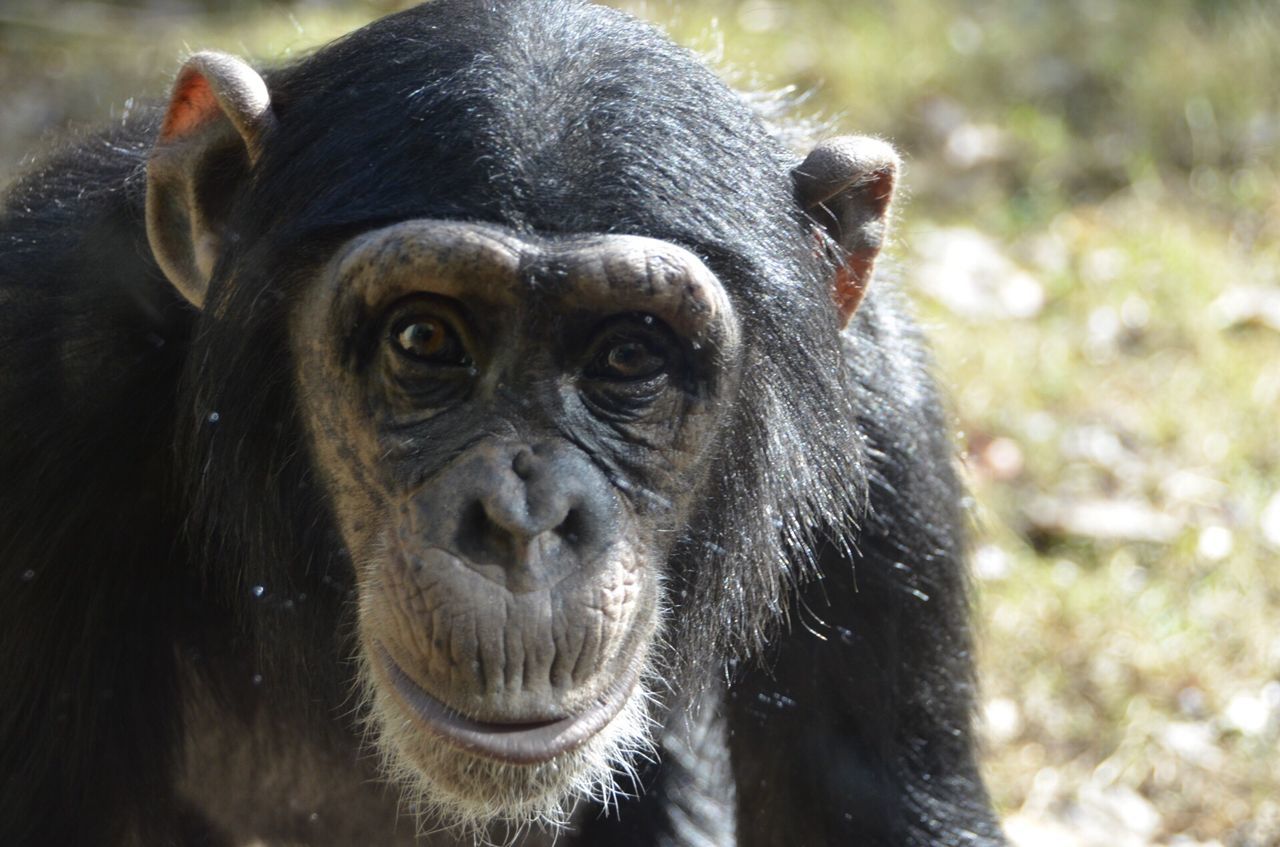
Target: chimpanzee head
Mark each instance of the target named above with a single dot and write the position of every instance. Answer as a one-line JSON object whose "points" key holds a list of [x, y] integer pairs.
{"points": [[551, 321]]}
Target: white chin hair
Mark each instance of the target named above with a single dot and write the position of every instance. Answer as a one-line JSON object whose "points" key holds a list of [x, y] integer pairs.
{"points": [[494, 802]]}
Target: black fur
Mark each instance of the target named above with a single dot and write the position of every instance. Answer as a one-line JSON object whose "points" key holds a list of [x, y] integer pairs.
{"points": [[160, 523]]}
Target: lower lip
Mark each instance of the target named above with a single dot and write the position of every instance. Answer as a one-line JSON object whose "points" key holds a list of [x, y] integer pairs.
{"points": [[514, 743]]}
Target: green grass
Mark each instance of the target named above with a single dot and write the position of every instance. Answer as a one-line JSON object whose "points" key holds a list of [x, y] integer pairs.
{"points": [[1125, 155]]}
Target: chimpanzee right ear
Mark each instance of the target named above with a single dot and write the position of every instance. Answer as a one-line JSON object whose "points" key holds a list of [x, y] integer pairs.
{"points": [[219, 114]]}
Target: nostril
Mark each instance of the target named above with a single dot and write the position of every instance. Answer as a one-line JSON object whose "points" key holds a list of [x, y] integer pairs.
{"points": [[479, 538], [573, 529], [475, 520]]}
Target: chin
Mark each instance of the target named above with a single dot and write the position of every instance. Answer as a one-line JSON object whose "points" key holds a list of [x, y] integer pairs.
{"points": [[491, 781]]}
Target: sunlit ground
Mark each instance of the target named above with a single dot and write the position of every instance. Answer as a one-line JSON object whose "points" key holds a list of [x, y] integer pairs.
{"points": [[1092, 233]]}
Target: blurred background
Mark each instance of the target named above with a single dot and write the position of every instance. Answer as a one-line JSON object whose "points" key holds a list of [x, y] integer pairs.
{"points": [[1091, 231]]}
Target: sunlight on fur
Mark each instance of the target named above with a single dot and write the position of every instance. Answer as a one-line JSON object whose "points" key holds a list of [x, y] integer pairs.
{"points": [[494, 803]]}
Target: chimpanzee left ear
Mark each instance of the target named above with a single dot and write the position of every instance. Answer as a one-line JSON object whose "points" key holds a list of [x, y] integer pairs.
{"points": [[219, 114], [846, 186]]}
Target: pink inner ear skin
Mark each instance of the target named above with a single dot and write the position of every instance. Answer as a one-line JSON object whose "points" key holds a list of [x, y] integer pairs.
{"points": [[192, 104], [851, 283]]}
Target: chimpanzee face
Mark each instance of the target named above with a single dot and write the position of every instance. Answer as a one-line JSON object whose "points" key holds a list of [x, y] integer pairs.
{"points": [[512, 430]]}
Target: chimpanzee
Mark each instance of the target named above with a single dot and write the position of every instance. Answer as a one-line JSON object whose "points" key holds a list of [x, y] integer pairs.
{"points": [[452, 435]]}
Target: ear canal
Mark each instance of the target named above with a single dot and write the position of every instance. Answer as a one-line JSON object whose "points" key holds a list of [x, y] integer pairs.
{"points": [[846, 186], [218, 119]]}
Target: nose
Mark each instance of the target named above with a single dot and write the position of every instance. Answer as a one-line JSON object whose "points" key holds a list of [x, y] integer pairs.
{"points": [[522, 502], [528, 515]]}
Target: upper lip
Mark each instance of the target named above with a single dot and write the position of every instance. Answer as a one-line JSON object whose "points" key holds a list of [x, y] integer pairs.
{"points": [[525, 742]]}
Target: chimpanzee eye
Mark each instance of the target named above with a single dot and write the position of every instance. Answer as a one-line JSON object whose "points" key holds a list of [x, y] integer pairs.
{"points": [[426, 338], [627, 359], [631, 359]]}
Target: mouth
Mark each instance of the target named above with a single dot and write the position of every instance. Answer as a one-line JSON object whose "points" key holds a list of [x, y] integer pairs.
{"points": [[523, 743]]}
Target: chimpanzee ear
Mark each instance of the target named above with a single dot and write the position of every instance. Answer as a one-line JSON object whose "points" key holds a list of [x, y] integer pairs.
{"points": [[846, 185], [219, 114]]}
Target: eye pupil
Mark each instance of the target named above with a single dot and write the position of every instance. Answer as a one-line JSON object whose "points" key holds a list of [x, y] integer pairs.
{"points": [[627, 358]]}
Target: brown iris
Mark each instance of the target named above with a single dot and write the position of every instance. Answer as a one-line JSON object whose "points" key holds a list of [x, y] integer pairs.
{"points": [[429, 339], [632, 360], [627, 360]]}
